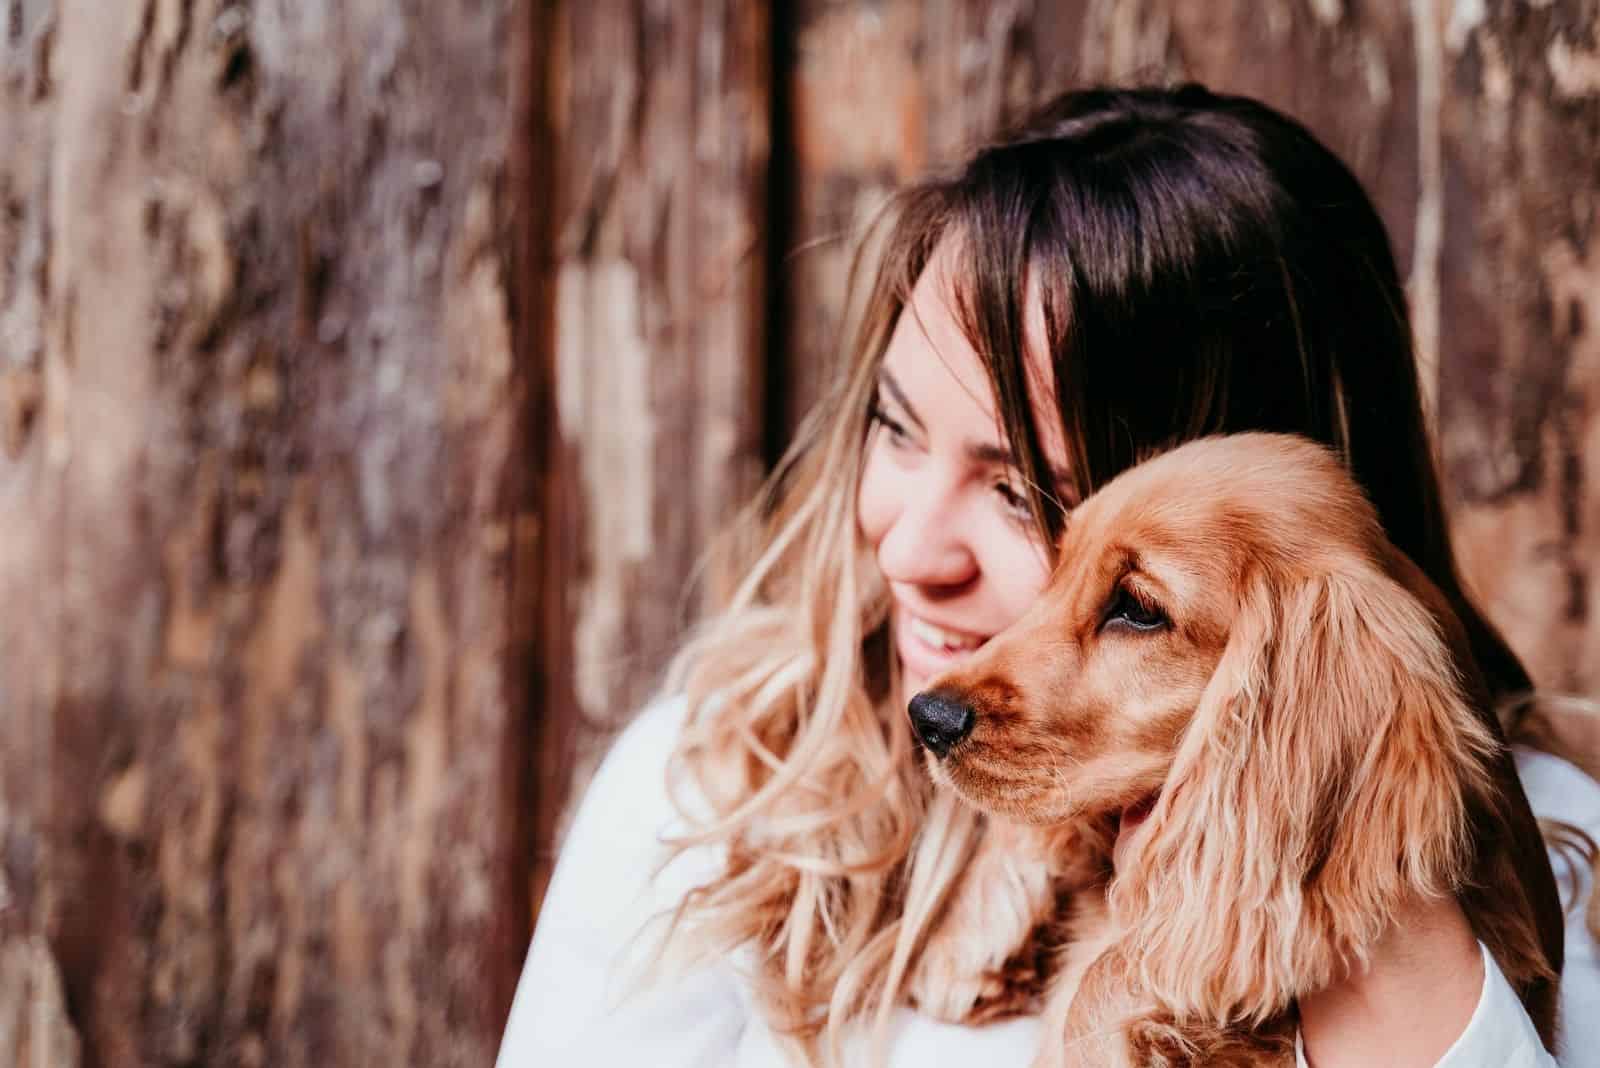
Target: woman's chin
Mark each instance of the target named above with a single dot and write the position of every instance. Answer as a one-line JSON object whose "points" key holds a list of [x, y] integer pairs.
{"points": [[917, 675], [914, 682]]}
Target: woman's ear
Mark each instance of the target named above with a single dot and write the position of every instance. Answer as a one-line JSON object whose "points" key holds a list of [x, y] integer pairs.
{"points": [[1322, 783]]}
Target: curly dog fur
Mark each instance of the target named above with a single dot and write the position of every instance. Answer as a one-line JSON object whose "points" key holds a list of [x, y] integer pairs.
{"points": [[1279, 706]]}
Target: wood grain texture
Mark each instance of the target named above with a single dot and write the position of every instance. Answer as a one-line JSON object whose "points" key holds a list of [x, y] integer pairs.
{"points": [[1520, 325], [660, 156], [35, 1030], [257, 258]]}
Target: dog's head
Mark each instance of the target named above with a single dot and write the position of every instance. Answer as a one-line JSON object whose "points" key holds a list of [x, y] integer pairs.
{"points": [[1231, 650]]}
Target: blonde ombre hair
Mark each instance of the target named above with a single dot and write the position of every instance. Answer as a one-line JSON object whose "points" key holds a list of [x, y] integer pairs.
{"points": [[837, 852], [1205, 266]]}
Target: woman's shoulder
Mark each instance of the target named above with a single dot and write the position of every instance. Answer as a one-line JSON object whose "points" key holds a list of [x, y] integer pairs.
{"points": [[638, 755], [618, 873], [1558, 789], [628, 813]]}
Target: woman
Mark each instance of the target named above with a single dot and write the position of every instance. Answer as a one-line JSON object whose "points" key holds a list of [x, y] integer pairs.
{"points": [[1125, 271]]}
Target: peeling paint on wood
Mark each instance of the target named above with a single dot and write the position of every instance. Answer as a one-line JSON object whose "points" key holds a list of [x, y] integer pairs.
{"points": [[598, 310], [1576, 71], [34, 1029], [1423, 283]]}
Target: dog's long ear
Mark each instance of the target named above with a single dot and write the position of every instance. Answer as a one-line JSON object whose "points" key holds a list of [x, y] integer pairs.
{"points": [[1323, 782]]}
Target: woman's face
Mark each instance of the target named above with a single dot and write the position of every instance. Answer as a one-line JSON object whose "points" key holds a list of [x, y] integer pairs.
{"points": [[941, 502]]}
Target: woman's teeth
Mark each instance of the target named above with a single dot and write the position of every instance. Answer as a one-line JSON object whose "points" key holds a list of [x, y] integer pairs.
{"points": [[947, 641]]}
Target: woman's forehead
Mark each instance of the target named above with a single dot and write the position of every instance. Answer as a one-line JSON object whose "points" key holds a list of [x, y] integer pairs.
{"points": [[931, 335]]}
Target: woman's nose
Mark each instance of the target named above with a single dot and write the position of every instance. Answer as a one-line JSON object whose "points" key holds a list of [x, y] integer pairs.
{"points": [[924, 545]]}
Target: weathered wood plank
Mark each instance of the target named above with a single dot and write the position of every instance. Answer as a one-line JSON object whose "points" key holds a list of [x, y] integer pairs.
{"points": [[661, 155], [259, 504], [34, 1029], [1519, 283]]}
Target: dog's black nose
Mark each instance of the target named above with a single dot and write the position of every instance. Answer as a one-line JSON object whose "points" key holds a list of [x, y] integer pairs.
{"points": [[940, 721]]}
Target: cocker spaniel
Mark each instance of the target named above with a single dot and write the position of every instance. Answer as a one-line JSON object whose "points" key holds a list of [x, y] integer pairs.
{"points": [[1273, 711]]}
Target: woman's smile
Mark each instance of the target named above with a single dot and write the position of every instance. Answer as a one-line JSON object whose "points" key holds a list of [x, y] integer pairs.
{"points": [[927, 648]]}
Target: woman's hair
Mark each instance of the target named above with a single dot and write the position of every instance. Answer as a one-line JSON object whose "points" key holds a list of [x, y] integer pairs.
{"points": [[1204, 266]]}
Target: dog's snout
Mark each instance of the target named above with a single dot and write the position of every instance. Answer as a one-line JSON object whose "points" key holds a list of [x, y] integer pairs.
{"points": [[940, 721]]}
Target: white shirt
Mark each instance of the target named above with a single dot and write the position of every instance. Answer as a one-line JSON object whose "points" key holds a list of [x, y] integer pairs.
{"points": [[580, 1001]]}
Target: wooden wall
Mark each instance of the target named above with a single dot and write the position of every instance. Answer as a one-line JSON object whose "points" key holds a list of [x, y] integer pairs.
{"points": [[372, 377], [262, 690]]}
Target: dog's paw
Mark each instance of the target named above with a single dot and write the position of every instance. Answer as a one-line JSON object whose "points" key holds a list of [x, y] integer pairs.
{"points": [[955, 970], [1013, 989], [982, 961], [954, 998]]}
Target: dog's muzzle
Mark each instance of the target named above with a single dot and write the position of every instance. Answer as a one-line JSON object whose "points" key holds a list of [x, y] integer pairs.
{"points": [[940, 721]]}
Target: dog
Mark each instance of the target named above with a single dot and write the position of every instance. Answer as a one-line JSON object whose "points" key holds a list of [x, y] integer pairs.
{"points": [[1275, 711]]}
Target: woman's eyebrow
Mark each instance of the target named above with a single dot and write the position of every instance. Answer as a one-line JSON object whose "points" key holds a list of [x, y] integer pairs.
{"points": [[886, 380], [978, 452]]}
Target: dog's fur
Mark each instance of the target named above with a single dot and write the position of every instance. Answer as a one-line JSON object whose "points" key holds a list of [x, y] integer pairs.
{"points": [[1307, 724]]}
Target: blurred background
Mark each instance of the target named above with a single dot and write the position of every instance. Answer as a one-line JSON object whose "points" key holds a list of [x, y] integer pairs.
{"points": [[372, 376]]}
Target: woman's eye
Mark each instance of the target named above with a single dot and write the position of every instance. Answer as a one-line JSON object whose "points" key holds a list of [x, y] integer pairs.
{"points": [[1013, 500], [895, 430], [1127, 610]]}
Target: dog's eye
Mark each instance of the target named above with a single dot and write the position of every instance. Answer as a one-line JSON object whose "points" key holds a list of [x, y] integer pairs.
{"points": [[1127, 610]]}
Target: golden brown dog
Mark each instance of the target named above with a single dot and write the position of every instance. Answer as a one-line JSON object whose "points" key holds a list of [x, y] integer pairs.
{"points": [[1234, 661]]}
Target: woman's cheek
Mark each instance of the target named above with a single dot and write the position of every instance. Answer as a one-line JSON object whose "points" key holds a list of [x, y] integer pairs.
{"points": [[1020, 571], [874, 510]]}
